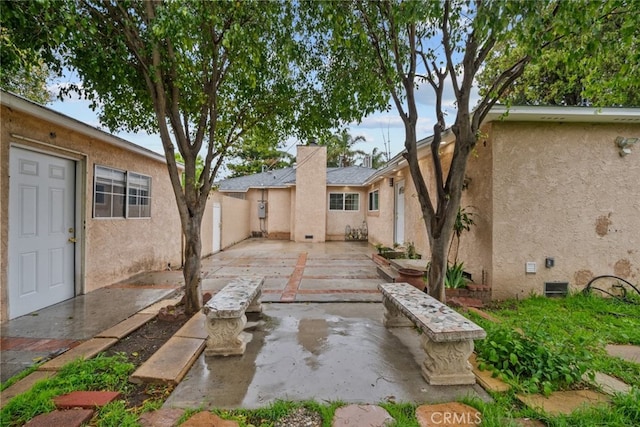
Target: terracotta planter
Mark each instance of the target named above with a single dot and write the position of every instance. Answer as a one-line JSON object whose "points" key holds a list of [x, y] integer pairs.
{"points": [[412, 277]]}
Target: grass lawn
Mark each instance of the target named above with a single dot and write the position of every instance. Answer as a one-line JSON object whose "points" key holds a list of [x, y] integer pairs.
{"points": [[584, 324], [551, 332]]}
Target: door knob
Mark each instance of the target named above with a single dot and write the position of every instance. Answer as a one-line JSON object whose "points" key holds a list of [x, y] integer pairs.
{"points": [[72, 240]]}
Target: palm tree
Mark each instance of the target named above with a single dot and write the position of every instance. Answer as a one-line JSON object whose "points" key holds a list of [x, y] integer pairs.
{"points": [[340, 152]]}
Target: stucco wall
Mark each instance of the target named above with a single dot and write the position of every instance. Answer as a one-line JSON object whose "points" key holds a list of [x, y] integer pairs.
{"points": [[380, 223], [234, 215], [476, 244], [254, 196], [206, 228], [279, 213], [310, 208], [113, 248], [414, 227], [337, 220], [563, 191]]}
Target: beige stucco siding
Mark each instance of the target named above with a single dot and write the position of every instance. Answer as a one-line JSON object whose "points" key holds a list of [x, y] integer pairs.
{"points": [[415, 230], [380, 222], [563, 191], [132, 245], [476, 244], [279, 213], [235, 214], [110, 249], [254, 196]]}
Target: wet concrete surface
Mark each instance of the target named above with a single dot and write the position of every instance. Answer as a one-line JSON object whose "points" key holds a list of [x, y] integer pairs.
{"points": [[54, 329], [334, 347], [324, 352]]}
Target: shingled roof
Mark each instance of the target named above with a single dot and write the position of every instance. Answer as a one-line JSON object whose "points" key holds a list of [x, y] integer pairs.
{"points": [[279, 178]]}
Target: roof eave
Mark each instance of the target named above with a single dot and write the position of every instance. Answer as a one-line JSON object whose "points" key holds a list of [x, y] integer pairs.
{"points": [[38, 111], [561, 114]]}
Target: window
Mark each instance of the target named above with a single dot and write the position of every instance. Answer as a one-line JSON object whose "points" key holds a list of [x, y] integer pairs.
{"points": [[108, 200], [118, 194], [373, 200], [344, 201], [139, 205]]}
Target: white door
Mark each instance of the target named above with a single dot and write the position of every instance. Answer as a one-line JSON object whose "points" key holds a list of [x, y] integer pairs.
{"points": [[41, 233], [217, 228], [399, 213]]}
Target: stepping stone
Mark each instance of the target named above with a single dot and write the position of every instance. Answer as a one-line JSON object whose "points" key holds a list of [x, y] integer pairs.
{"points": [[207, 419], [361, 416], [85, 399], [86, 350], [453, 414], [486, 379], [170, 363], [563, 402], [69, 418], [609, 384], [161, 418], [127, 326], [630, 353]]}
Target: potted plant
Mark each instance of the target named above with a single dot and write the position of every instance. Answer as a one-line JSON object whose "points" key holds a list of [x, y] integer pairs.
{"points": [[455, 282], [412, 276]]}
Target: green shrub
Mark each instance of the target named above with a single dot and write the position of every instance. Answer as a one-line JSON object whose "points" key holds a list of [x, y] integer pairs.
{"points": [[533, 361], [454, 278]]}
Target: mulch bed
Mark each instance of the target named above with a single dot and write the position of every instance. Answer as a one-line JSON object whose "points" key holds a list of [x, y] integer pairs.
{"points": [[139, 346]]}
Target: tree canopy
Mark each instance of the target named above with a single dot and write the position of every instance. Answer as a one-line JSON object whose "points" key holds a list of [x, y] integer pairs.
{"points": [[203, 75], [601, 68], [439, 45], [257, 152], [24, 69]]}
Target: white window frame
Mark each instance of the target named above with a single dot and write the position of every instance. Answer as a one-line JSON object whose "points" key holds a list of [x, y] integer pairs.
{"points": [[139, 197], [344, 197], [104, 195], [142, 193], [374, 200]]}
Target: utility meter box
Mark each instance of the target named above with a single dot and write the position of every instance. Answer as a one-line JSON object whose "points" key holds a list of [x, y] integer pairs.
{"points": [[262, 210]]}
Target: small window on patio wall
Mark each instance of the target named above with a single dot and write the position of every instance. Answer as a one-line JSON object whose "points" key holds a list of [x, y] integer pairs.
{"points": [[344, 201], [373, 200], [117, 194]]}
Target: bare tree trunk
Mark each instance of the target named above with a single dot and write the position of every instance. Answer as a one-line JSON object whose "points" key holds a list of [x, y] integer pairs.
{"points": [[191, 272], [438, 265]]}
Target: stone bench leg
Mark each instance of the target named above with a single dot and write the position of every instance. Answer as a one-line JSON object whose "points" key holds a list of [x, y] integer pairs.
{"points": [[256, 304], [226, 337], [394, 318], [447, 363]]}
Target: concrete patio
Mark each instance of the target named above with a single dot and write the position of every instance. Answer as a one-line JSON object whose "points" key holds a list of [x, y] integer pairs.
{"points": [[320, 336]]}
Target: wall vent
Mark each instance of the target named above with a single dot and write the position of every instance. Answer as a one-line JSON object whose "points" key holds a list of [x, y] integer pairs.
{"points": [[556, 289], [308, 236]]}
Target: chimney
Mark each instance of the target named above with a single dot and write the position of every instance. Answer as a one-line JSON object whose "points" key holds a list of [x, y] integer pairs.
{"points": [[311, 194]]}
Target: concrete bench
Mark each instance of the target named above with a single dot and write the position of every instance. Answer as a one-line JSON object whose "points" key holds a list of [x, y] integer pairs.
{"points": [[225, 316], [447, 336]]}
